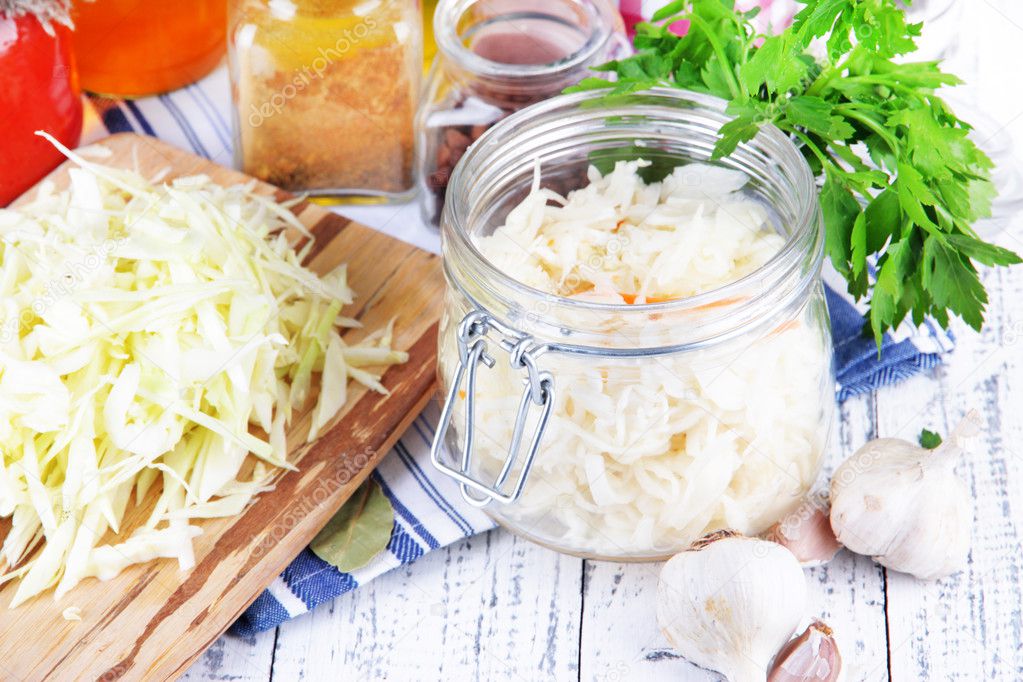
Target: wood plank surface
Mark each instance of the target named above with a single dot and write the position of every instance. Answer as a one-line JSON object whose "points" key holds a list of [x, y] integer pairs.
{"points": [[238, 659], [479, 611], [976, 614], [153, 620]]}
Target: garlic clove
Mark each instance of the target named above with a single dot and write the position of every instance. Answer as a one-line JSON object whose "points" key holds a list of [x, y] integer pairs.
{"points": [[807, 533], [904, 506], [729, 602], [811, 657]]}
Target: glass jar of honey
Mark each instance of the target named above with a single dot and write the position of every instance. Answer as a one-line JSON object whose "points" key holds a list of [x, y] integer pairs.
{"points": [[132, 48]]}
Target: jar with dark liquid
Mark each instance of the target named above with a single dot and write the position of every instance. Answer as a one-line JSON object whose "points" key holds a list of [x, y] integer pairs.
{"points": [[495, 57]]}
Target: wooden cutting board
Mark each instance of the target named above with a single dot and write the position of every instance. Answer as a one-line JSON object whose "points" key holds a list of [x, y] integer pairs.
{"points": [[153, 620]]}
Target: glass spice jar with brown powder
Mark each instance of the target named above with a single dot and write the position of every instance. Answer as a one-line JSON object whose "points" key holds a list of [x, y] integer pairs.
{"points": [[326, 93]]}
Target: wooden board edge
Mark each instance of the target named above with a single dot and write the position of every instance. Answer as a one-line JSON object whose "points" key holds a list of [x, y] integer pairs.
{"points": [[365, 473]]}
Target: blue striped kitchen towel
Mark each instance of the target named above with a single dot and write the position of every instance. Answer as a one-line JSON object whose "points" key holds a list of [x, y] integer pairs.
{"points": [[430, 512]]}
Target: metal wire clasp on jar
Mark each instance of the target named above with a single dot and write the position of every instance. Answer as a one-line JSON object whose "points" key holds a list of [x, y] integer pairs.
{"points": [[539, 391], [623, 430]]}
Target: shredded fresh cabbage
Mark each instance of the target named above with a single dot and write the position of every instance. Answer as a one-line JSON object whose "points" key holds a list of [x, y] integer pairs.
{"points": [[144, 328], [642, 456]]}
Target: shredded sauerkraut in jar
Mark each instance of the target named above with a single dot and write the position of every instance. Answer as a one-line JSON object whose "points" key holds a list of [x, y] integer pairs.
{"points": [[642, 456]]}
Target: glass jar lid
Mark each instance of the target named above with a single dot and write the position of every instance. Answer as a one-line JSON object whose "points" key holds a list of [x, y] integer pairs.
{"points": [[525, 41]]}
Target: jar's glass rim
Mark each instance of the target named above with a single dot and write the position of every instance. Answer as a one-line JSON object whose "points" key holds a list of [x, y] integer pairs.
{"points": [[445, 30], [775, 269]]}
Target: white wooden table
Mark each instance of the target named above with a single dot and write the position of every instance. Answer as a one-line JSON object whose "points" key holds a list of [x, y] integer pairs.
{"points": [[498, 608]]}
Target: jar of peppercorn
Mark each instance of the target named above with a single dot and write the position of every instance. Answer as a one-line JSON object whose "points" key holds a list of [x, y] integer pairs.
{"points": [[495, 57]]}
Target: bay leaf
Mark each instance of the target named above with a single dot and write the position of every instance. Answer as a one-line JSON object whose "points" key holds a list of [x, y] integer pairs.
{"points": [[358, 532]]}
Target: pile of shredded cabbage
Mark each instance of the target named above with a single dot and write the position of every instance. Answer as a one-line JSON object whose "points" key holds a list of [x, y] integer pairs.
{"points": [[144, 327], [643, 456]]}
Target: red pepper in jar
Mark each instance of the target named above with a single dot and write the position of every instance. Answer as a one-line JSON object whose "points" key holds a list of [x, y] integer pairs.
{"points": [[38, 91]]}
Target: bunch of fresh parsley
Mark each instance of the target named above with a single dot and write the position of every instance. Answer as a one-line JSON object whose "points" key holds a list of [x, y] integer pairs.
{"points": [[900, 178]]}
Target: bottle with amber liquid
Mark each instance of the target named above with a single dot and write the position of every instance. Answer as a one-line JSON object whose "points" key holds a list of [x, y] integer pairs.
{"points": [[132, 48]]}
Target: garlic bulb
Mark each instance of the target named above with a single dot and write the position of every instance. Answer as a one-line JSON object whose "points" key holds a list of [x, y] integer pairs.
{"points": [[811, 657], [904, 506], [807, 533], [729, 602]]}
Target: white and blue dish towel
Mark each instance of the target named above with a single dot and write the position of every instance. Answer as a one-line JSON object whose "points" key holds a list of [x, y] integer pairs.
{"points": [[429, 511]]}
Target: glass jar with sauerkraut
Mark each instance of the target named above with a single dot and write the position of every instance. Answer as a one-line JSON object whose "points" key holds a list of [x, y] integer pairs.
{"points": [[636, 346]]}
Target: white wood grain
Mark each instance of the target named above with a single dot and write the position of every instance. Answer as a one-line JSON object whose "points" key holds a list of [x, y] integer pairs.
{"points": [[235, 659], [848, 592], [498, 608], [968, 626], [494, 607], [620, 638]]}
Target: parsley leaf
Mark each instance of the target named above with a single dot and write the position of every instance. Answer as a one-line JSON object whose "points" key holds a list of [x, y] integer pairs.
{"points": [[929, 439], [902, 182]]}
